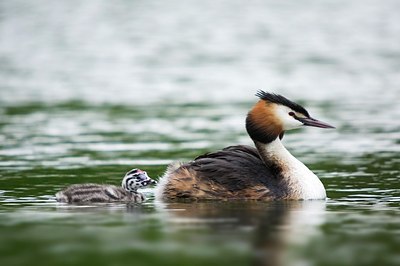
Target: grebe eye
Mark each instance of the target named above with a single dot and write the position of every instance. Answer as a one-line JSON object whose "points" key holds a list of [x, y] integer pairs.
{"points": [[291, 113]]}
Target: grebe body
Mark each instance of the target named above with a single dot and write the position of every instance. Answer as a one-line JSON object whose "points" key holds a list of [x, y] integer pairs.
{"points": [[267, 172], [127, 192]]}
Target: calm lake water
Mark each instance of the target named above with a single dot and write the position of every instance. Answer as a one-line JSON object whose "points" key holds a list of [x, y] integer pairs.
{"points": [[91, 89]]}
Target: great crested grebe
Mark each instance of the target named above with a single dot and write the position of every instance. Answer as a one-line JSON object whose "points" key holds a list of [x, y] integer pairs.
{"points": [[133, 180], [269, 172]]}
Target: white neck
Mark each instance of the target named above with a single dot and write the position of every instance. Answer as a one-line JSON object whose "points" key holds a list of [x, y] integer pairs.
{"points": [[304, 183]]}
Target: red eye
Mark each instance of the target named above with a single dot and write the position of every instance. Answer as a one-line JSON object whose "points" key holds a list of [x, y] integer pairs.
{"points": [[291, 113]]}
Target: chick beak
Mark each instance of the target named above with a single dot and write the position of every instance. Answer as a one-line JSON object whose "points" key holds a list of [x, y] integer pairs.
{"points": [[148, 180], [309, 121]]}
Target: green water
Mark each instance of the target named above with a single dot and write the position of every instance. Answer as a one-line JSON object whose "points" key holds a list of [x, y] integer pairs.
{"points": [[48, 147], [90, 90]]}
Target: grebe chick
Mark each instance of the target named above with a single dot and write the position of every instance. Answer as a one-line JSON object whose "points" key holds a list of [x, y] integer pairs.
{"points": [[133, 180], [268, 172]]}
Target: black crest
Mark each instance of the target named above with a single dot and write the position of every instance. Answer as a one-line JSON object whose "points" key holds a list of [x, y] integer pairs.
{"points": [[279, 99]]}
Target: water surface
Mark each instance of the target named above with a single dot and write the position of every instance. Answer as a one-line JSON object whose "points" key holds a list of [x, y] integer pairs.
{"points": [[90, 90]]}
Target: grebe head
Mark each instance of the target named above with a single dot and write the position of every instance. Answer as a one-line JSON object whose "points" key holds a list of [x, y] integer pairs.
{"points": [[135, 179], [274, 114]]}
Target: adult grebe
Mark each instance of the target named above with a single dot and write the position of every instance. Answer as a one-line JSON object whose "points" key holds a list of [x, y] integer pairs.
{"points": [[269, 172], [133, 180]]}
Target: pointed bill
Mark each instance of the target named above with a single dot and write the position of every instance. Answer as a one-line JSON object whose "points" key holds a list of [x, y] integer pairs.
{"points": [[309, 121]]}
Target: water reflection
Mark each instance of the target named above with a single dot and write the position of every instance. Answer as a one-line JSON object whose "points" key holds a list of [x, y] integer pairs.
{"points": [[272, 226]]}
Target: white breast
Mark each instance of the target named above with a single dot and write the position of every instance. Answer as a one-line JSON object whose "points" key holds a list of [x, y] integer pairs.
{"points": [[298, 174]]}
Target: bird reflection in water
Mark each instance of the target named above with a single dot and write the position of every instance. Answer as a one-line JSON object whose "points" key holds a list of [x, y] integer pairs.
{"points": [[268, 227]]}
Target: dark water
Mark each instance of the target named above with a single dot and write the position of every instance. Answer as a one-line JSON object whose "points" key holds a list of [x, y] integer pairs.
{"points": [[89, 90]]}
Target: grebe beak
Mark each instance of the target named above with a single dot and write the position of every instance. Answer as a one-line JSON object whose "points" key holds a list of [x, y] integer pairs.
{"points": [[309, 121], [149, 181]]}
